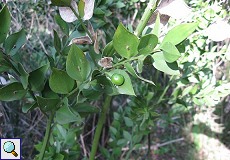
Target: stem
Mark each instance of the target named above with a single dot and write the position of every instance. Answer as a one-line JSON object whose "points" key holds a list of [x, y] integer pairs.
{"points": [[100, 124], [151, 7], [82, 23], [47, 136]]}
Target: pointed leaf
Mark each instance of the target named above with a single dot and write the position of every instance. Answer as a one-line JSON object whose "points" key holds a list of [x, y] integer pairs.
{"points": [[126, 87], [130, 69], [57, 42], [11, 92], [81, 6], [14, 42], [37, 78], [147, 44], [64, 115], [4, 23], [60, 82], [156, 29], [47, 104], [170, 52], [77, 66], [27, 107], [62, 24], [124, 42], [23, 75], [161, 65], [180, 33], [108, 50]]}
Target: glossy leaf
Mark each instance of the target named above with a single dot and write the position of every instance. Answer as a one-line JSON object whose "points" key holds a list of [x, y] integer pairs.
{"points": [[11, 92], [60, 82], [180, 33], [57, 42], [125, 43], [61, 3], [77, 66], [147, 44], [47, 104], [126, 87], [161, 65], [170, 52], [4, 23], [14, 42], [37, 78], [64, 115], [62, 24]]}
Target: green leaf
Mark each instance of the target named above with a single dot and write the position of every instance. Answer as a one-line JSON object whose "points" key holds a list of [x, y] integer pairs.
{"points": [[161, 65], [170, 52], [81, 7], [64, 116], [147, 44], [23, 75], [85, 109], [60, 82], [4, 23], [4, 64], [125, 43], [37, 78], [180, 33], [108, 51], [77, 66], [126, 87], [47, 104], [61, 3], [57, 42], [130, 69], [127, 135], [14, 42], [29, 106], [58, 156], [62, 24], [128, 122], [11, 92], [156, 29]]}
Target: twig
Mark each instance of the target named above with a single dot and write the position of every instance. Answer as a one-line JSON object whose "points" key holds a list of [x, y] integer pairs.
{"points": [[83, 145]]}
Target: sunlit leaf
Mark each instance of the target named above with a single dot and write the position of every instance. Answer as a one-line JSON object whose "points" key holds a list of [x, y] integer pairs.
{"points": [[126, 87], [125, 43], [161, 65], [170, 52], [179, 33]]}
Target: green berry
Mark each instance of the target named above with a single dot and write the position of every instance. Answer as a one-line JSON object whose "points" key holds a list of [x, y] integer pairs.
{"points": [[117, 79]]}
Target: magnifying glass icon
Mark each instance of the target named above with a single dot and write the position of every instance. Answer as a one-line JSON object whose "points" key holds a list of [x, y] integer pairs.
{"points": [[9, 147]]}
